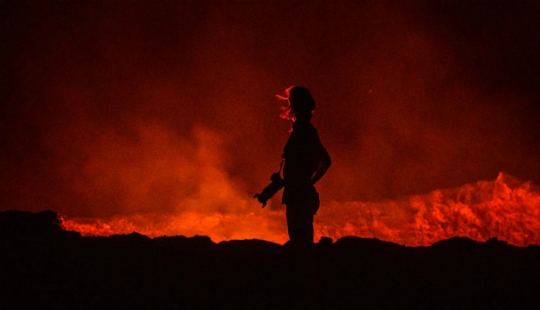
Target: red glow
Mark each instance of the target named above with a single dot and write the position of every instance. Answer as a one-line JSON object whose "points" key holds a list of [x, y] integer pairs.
{"points": [[505, 208], [162, 119]]}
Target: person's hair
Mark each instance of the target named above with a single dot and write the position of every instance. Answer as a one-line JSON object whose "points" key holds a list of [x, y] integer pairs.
{"points": [[300, 102]]}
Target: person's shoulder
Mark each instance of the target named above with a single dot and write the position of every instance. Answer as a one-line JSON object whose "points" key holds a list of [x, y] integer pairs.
{"points": [[311, 127], [310, 132], [305, 128]]}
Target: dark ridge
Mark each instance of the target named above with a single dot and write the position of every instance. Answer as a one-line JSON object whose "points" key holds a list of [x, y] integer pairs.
{"points": [[27, 224], [44, 267]]}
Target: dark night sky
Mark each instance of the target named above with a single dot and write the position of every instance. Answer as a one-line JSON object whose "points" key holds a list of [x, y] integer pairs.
{"points": [[119, 107]]}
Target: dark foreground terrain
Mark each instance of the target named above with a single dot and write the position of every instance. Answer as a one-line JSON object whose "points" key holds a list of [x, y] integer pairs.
{"points": [[44, 267]]}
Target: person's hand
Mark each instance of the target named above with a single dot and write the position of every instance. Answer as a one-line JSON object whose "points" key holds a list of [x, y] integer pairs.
{"points": [[259, 198]]}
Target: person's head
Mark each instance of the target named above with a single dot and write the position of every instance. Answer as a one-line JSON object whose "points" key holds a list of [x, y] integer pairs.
{"points": [[301, 103]]}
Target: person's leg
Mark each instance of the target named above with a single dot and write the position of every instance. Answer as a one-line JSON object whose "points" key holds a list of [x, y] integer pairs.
{"points": [[299, 226], [292, 224], [305, 229]]}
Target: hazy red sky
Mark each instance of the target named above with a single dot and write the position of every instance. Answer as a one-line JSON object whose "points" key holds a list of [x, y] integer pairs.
{"points": [[119, 107]]}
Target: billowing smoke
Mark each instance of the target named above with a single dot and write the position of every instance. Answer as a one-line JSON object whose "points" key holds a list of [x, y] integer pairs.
{"points": [[164, 114]]}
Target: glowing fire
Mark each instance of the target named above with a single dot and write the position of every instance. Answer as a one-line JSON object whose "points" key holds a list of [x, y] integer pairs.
{"points": [[506, 208], [217, 226]]}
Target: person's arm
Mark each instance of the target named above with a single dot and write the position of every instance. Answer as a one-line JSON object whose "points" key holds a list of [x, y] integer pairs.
{"points": [[324, 164]]}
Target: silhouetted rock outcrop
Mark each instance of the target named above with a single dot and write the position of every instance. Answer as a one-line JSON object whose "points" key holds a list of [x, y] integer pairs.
{"points": [[19, 224], [43, 267]]}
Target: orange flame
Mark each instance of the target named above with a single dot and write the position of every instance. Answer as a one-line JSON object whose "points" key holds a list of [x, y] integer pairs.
{"points": [[506, 208]]}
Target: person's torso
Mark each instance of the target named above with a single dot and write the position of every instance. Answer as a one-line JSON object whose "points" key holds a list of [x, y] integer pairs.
{"points": [[302, 155]]}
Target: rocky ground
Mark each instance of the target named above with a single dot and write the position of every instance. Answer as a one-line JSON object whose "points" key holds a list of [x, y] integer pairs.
{"points": [[45, 267]]}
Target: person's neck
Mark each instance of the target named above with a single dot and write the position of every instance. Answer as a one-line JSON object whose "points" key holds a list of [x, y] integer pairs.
{"points": [[303, 118]]}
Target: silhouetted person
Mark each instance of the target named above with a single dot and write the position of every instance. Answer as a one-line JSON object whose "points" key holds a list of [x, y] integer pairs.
{"points": [[305, 161]]}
